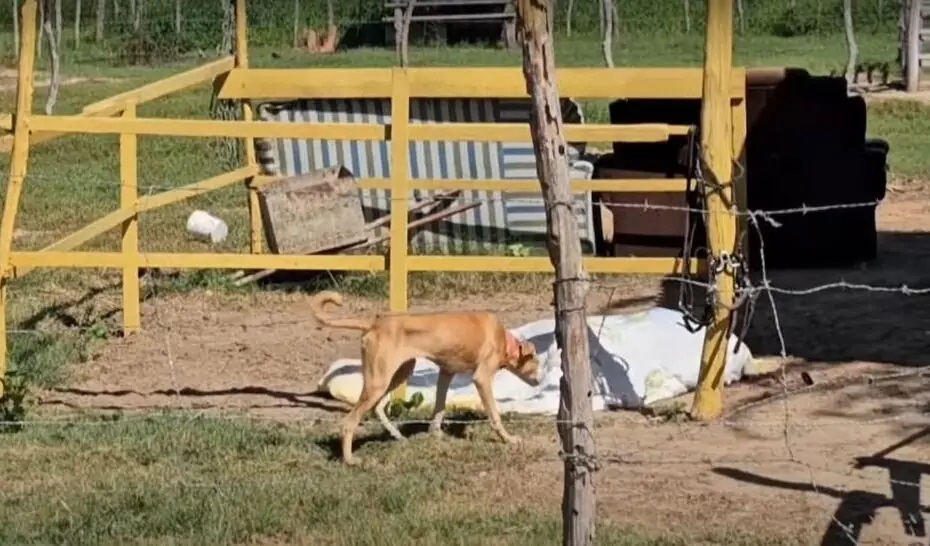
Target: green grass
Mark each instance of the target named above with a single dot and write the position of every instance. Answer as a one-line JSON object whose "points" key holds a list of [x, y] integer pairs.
{"points": [[195, 481], [174, 480]]}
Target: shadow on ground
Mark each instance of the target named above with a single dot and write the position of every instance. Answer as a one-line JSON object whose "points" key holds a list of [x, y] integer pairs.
{"points": [[873, 322], [857, 508]]}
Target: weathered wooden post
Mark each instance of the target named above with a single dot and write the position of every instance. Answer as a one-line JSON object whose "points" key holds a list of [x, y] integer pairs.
{"points": [[575, 417], [716, 134]]}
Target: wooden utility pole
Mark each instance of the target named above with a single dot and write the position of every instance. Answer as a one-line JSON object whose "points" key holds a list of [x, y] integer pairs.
{"points": [[575, 417], [716, 132]]}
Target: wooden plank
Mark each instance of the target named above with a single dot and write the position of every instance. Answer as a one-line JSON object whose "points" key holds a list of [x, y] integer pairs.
{"points": [[623, 185], [209, 128], [457, 17], [509, 264], [506, 264], [471, 82], [179, 260], [518, 132], [129, 194], [447, 3]]}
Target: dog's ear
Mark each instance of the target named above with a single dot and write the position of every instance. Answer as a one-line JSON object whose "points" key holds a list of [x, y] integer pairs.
{"points": [[527, 348], [512, 349]]}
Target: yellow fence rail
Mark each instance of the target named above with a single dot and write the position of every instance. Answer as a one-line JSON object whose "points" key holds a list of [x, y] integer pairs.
{"points": [[234, 80]]}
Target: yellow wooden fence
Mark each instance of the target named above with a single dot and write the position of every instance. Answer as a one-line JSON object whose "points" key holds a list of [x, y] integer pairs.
{"points": [[235, 80]]}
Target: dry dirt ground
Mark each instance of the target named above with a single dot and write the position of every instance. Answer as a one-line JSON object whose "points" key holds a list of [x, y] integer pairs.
{"points": [[774, 467]]}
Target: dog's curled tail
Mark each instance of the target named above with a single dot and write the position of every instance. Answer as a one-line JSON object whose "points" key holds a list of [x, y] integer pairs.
{"points": [[319, 300]]}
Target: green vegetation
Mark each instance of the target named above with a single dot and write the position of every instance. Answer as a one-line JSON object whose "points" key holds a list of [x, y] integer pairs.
{"points": [[169, 479]]}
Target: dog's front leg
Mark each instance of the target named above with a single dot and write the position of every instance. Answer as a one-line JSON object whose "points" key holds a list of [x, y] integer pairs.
{"points": [[443, 382], [483, 385]]}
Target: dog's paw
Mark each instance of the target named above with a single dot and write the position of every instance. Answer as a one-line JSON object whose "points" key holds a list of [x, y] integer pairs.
{"points": [[351, 461]]}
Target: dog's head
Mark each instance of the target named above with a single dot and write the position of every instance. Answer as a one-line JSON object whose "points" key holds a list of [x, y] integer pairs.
{"points": [[522, 360]]}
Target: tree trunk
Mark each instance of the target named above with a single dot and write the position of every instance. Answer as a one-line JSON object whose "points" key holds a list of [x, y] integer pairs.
{"points": [[39, 42], [569, 10], [575, 418], [116, 10], [178, 16], [77, 23], [59, 20], [49, 29], [101, 19], [851, 47], [296, 23], [688, 16], [607, 29], [403, 40], [741, 16], [616, 16], [137, 16], [330, 14], [912, 53], [16, 29]]}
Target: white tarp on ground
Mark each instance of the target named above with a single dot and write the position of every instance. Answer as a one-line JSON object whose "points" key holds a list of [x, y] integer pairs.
{"points": [[637, 359]]}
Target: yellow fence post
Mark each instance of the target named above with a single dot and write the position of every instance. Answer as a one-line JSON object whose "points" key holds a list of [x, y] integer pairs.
{"points": [[716, 142], [400, 194], [18, 163], [242, 61], [128, 197]]}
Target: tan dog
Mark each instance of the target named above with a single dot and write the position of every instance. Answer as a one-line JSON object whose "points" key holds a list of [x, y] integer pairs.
{"points": [[458, 342]]}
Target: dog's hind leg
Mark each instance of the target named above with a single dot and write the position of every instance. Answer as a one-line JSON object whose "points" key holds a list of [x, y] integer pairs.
{"points": [[372, 391], [401, 375], [374, 384]]}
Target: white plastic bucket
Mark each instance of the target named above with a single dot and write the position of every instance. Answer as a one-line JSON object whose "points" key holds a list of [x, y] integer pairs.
{"points": [[204, 225]]}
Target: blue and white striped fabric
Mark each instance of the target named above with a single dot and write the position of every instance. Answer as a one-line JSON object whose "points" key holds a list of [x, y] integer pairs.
{"points": [[502, 218]]}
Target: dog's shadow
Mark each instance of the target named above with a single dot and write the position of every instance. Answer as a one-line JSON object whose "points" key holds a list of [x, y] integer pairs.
{"points": [[454, 426]]}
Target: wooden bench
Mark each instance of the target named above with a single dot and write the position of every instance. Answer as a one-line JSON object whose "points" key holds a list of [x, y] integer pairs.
{"points": [[480, 11]]}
